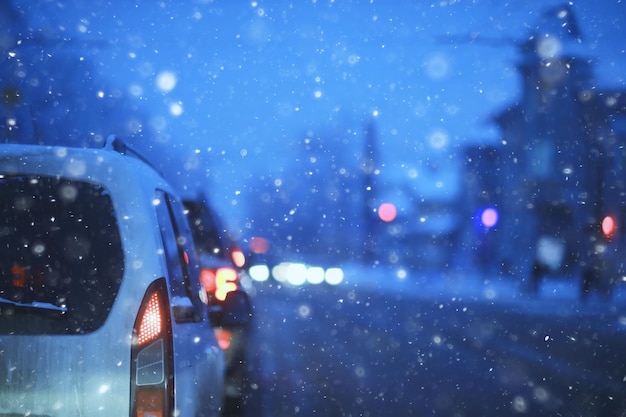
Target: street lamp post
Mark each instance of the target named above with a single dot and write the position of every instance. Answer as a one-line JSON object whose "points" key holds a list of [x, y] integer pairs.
{"points": [[369, 191]]}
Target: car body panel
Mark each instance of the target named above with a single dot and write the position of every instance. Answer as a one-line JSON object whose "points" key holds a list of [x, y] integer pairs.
{"points": [[86, 374]]}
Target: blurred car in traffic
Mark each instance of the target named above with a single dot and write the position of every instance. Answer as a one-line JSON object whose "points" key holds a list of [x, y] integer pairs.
{"points": [[101, 307], [222, 272]]}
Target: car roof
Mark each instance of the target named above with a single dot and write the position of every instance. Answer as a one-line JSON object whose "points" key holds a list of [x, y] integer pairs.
{"points": [[111, 165]]}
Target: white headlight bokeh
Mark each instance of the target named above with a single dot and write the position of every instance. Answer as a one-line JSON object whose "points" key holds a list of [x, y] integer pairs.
{"points": [[296, 274]]}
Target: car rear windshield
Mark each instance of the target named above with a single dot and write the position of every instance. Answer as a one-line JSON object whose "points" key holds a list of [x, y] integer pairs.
{"points": [[61, 258]]}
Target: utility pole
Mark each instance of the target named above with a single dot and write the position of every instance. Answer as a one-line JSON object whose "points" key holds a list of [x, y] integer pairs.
{"points": [[368, 166]]}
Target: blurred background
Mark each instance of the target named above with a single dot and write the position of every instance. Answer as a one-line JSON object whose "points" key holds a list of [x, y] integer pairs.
{"points": [[299, 119], [428, 164]]}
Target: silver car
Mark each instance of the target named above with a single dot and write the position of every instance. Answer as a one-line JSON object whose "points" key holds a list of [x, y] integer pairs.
{"points": [[101, 308]]}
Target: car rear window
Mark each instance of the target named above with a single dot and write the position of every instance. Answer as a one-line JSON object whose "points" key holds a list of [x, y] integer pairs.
{"points": [[61, 258]]}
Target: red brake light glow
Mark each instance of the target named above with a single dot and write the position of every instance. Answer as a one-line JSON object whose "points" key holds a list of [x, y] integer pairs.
{"points": [[225, 282], [219, 282], [152, 389], [151, 323], [19, 275], [239, 259], [259, 245], [207, 279], [224, 337]]}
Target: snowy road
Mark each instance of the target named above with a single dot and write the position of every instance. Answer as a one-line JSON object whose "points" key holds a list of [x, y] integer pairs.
{"points": [[351, 351]]}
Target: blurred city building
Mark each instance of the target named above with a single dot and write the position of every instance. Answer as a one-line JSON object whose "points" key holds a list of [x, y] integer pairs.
{"points": [[558, 169]]}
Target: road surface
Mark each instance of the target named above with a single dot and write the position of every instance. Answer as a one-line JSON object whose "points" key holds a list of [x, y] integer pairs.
{"points": [[346, 351]]}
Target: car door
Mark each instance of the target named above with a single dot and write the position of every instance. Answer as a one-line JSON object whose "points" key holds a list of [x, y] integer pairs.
{"points": [[198, 361]]}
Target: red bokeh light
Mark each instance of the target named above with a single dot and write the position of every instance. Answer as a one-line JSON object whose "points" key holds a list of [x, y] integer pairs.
{"points": [[387, 212], [608, 226], [489, 217], [259, 245]]}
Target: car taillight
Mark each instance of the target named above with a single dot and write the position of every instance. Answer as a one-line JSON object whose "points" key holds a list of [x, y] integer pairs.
{"points": [[151, 324], [225, 282], [207, 279], [238, 257], [219, 282], [151, 356], [224, 337]]}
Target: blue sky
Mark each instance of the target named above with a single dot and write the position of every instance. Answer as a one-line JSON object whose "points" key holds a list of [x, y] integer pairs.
{"points": [[234, 85]]}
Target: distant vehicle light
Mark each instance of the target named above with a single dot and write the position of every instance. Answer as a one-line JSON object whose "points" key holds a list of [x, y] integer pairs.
{"points": [[279, 272], [219, 282], [19, 275], [293, 273], [609, 226], [296, 274], [259, 245], [223, 290], [387, 212], [239, 259], [207, 279], [224, 338], [315, 275], [225, 282], [334, 276], [259, 273]]}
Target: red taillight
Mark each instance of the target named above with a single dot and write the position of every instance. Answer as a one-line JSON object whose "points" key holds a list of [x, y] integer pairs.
{"points": [[151, 323], [238, 257], [152, 389], [19, 275], [207, 279], [219, 282], [224, 337], [259, 245], [225, 282]]}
